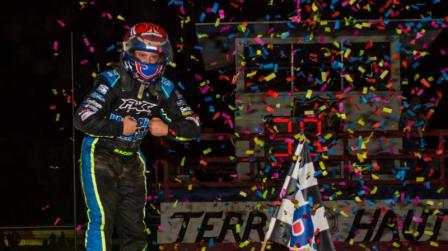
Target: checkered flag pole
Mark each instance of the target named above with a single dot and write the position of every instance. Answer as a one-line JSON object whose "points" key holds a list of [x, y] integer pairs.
{"points": [[300, 222]]}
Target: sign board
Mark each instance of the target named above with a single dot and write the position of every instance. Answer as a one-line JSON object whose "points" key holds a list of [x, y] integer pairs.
{"points": [[228, 222]]}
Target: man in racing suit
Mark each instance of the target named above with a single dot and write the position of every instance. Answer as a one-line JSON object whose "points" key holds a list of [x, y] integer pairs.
{"points": [[125, 103]]}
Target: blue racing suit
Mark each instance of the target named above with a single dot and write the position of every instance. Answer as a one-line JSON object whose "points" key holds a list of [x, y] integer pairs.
{"points": [[112, 165]]}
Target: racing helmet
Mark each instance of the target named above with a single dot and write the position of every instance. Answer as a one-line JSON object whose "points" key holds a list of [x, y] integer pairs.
{"points": [[151, 38]]}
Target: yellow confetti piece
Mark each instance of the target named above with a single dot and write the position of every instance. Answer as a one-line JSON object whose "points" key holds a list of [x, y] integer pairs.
{"points": [[202, 35], [351, 242], [148, 231], [324, 76], [54, 91], [251, 74], [374, 190], [249, 152], [440, 190], [347, 53], [182, 162], [365, 90], [217, 22], [190, 187], [243, 194], [384, 74], [265, 193], [309, 112], [430, 203], [434, 243], [120, 17], [336, 43], [309, 92], [207, 151], [204, 249], [175, 204], [94, 74], [270, 77], [244, 243], [259, 142], [361, 122], [420, 179], [238, 228], [348, 78], [360, 69], [396, 244], [375, 177], [387, 110], [429, 233], [172, 64], [322, 165], [328, 136]]}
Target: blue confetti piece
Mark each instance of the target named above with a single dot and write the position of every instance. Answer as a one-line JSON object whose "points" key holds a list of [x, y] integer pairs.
{"points": [[291, 25], [202, 17], [337, 25], [310, 201], [444, 75], [211, 243], [181, 86], [110, 48], [284, 35], [266, 66], [215, 7]]}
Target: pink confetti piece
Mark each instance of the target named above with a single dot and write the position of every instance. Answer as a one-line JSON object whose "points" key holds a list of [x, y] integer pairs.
{"points": [[55, 45], [106, 15], [86, 41], [61, 23], [205, 89], [221, 14], [56, 221], [182, 10], [417, 219], [259, 41]]}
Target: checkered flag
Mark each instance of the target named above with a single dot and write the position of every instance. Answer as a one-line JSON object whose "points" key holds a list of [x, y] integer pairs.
{"points": [[300, 222]]}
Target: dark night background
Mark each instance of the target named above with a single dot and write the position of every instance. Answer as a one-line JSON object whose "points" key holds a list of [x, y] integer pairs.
{"points": [[36, 167]]}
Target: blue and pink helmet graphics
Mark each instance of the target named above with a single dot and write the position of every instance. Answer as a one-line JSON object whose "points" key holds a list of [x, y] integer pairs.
{"points": [[146, 37]]}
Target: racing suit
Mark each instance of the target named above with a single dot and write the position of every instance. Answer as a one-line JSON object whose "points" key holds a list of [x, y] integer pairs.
{"points": [[112, 165]]}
